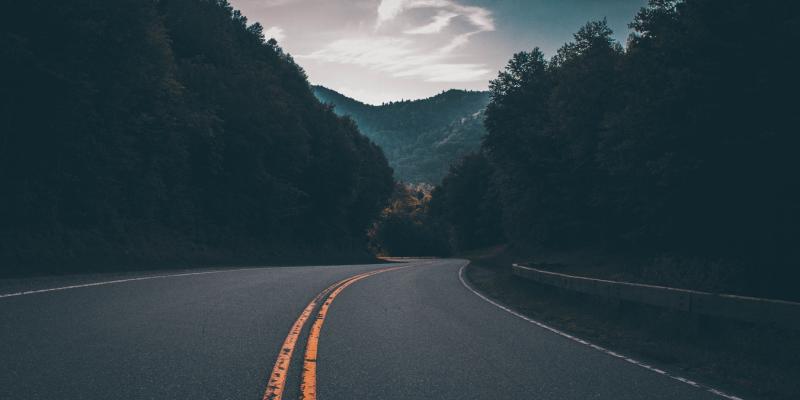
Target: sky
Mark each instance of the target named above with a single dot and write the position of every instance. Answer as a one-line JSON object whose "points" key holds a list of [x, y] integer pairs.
{"points": [[387, 50]]}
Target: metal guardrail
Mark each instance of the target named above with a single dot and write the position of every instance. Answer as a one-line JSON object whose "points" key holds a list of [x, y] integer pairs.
{"points": [[751, 309]]}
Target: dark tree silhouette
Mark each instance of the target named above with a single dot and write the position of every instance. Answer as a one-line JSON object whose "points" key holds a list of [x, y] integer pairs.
{"points": [[467, 198], [406, 228], [169, 131], [681, 144]]}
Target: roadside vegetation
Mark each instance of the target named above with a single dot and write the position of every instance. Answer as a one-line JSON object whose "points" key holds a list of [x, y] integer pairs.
{"points": [[669, 161], [170, 132], [675, 153], [405, 227]]}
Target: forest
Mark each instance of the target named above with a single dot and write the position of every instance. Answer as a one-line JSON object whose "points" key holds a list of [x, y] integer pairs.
{"points": [[169, 132], [680, 145], [421, 138]]}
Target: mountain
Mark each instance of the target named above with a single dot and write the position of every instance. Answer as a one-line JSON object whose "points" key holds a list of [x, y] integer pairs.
{"points": [[164, 132], [420, 138]]}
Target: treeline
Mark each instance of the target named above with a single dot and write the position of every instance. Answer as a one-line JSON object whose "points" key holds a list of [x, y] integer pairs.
{"points": [[421, 138], [685, 143], [137, 132], [407, 227]]}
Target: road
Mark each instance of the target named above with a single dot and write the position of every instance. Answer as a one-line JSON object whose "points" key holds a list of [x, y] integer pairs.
{"points": [[407, 331]]}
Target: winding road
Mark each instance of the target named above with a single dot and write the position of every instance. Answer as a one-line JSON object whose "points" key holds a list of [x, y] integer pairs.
{"points": [[411, 330]]}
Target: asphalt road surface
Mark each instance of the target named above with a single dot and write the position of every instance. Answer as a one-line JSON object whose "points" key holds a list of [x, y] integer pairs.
{"points": [[394, 331]]}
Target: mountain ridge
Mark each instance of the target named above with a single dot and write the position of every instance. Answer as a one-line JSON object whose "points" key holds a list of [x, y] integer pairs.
{"points": [[421, 138]]}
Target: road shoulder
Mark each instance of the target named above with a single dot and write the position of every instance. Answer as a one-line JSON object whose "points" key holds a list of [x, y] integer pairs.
{"points": [[750, 360]]}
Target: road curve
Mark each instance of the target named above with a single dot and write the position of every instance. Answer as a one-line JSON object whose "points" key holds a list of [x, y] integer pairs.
{"points": [[379, 332]]}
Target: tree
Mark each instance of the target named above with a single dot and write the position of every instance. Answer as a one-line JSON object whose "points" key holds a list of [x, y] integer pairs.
{"points": [[169, 131], [406, 228], [682, 144], [467, 203]]}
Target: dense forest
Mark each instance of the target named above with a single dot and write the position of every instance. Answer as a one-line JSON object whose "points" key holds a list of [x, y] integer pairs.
{"points": [[169, 132], [421, 138], [681, 144]]}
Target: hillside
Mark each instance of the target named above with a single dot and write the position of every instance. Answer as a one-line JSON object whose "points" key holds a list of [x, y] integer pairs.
{"points": [[169, 132], [420, 138]]}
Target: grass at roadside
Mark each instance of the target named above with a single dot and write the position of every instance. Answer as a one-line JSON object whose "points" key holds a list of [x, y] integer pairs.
{"points": [[746, 359]]}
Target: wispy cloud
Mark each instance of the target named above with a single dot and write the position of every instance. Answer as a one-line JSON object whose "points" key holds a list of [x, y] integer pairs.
{"points": [[447, 72], [380, 52], [456, 42], [276, 33], [424, 52], [398, 57], [390, 9], [274, 3], [481, 17], [478, 16], [440, 21]]}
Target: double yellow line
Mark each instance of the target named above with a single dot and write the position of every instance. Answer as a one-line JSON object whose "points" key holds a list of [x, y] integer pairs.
{"points": [[308, 385]]}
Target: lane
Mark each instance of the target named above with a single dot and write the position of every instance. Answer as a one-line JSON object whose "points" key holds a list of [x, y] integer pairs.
{"points": [[412, 332], [210, 336], [419, 333], [276, 385], [308, 384]]}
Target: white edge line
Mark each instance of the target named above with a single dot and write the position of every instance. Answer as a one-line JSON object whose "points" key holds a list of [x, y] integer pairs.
{"points": [[591, 345], [143, 278], [101, 283]]}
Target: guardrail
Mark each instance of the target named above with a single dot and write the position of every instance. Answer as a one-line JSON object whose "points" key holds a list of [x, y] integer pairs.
{"points": [[751, 309]]}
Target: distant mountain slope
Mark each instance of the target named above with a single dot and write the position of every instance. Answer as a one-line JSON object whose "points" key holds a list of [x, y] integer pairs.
{"points": [[421, 138]]}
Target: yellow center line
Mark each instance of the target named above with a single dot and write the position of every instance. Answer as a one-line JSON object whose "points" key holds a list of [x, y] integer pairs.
{"points": [[277, 380], [308, 386]]}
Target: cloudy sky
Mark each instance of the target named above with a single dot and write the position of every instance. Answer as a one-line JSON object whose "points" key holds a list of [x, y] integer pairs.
{"points": [[382, 50]]}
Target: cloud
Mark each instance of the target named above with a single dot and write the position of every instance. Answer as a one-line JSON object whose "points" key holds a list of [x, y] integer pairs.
{"points": [[276, 33], [447, 72], [381, 52], [425, 51], [390, 9], [440, 21], [274, 3], [478, 16], [457, 41], [399, 57]]}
